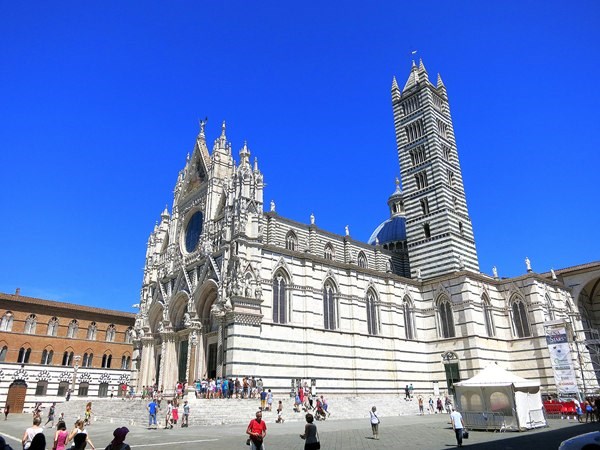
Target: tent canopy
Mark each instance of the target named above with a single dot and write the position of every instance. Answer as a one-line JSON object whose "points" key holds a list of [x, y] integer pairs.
{"points": [[494, 375]]}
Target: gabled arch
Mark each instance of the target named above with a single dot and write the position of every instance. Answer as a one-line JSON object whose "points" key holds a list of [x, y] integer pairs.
{"points": [[178, 306], [362, 261], [155, 316], [291, 241], [372, 310], [281, 296], [329, 251], [549, 307], [6, 322], [203, 299], [31, 324], [330, 304]]}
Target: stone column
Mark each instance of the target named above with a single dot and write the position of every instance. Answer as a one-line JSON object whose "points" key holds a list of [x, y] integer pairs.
{"points": [[193, 343], [148, 362], [169, 366]]}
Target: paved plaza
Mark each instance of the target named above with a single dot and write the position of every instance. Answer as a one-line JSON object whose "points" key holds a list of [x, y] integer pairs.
{"points": [[405, 432]]}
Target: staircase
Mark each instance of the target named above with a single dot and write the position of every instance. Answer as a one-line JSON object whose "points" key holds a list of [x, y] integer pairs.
{"points": [[205, 412]]}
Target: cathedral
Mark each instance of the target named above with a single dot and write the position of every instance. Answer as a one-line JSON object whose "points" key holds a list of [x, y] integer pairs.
{"points": [[232, 289]]}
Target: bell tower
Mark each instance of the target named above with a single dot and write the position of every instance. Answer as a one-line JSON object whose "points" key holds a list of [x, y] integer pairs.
{"points": [[438, 227]]}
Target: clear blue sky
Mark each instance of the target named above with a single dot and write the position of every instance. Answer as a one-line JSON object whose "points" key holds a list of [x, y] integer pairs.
{"points": [[99, 103]]}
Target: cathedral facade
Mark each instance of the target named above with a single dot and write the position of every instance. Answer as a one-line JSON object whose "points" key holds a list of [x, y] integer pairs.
{"points": [[230, 290]]}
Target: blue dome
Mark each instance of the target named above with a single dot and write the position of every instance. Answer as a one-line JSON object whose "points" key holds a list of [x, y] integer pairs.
{"points": [[392, 230]]}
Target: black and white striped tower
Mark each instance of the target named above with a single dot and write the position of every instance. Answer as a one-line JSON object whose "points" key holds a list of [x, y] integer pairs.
{"points": [[438, 227]]}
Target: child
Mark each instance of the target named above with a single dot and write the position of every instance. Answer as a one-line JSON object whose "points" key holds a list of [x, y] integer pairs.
{"points": [[280, 418]]}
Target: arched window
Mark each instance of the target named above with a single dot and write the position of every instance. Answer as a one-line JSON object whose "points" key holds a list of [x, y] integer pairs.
{"points": [[409, 323], [125, 361], [47, 357], [362, 260], [549, 308], [72, 330], [3, 353], [53, 327], [87, 360], [91, 331], [291, 241], [488, 316], [520, 321], [446, 319], [329, 253], [372, 313], [6, 322], [24, 354], [110, 333], [280, 299], [129, 336], [427, 230], [30, 324], [106, 361], [329, 307]]}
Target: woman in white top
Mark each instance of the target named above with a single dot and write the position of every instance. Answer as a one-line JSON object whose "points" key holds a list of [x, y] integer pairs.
{"points": [[374, 423], [31, 432], [80, 429]]}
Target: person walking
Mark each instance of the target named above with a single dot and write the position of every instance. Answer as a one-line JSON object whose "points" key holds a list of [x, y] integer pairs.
{"points": [[185, 421], [61, 436], [6, 411], [280, 418], [311, 435], [420, 399], [374, 422], [31, 432], [51, 413], [458, 425], [80, 430], [38, 442], [152, 406], [118, 443], [257, 430]]}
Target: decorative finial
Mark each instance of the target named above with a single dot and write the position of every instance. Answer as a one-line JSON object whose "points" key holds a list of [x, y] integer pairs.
{"points": [[528, 265], [255, 164], [440, 83], [376, 240], [202, 124], [418, 273], [553, 274], [312, 218], [394, 83], [223, 129], [347, 230], [272, 205], [495, 272]]}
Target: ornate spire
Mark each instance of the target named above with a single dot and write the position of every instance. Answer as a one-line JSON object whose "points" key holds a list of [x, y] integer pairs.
{"points": [[165, 214], [440, 83], [255, 164], [245, 154], [202, 125], [223, 130], [413, 78]]}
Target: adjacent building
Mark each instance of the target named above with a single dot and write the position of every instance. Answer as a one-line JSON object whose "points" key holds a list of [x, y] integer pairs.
{"points": [[49, 348]]}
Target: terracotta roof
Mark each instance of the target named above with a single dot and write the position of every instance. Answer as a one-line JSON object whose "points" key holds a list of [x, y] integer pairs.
{"points": [[71, 306], [590, 265]]}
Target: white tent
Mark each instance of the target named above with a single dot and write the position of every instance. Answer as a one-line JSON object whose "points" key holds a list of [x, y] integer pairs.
{"points": [[498, 399]]}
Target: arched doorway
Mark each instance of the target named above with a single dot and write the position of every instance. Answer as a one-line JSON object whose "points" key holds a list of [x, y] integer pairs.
{"points": [[452, 370], [16, 396]]}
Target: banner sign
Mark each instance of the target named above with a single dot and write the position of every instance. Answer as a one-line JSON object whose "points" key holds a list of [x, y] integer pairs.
{"points": [[562, 364]]}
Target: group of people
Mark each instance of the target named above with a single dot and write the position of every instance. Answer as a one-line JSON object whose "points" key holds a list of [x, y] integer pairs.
{"points": [[257, 431], [171, 413], [79, 438], [247, 387]]}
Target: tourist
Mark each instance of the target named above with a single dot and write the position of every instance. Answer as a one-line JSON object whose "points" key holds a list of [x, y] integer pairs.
{"points": [[51, 413], [175, 413], [61, 436], [4, 445], [440, 406], [420, 400], [311, 435], [169, 415], [80, 429], [269, 400], [238, 387], [458, 426], [79, 441], [448, 404], [263, 400], [280, 418], [6, 411], [152, 407], [88, 414], [38, 442], [118, 443], [31, 432], [374, 422], [406, 393], [325, 406], [185, 421], [410, 391], [431, 409], [257, 430]]}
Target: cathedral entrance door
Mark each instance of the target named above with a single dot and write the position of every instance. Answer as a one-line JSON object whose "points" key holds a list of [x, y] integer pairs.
{"points": [[211, 363], [16, 396]]}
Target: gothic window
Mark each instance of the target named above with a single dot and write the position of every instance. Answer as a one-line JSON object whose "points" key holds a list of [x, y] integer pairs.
{"points": [[329, 253], [446, 150], [103, 390], [129, 336], [7, 321], [427, 230], [87, 360], [421, 180], [67, 358], [409, 323], [72, 329], [488, 316], [446, 319], [47, 357], [438, 103], [91, 331], [424, 206], [362, 261], [24, 354], [3, 353], [106, 361], [291, 241], [520, 321], [329, 307], [411, 104], [30, 324], [82, 391], [460, 227], [549, 311], [110, 333], [62, 388], [442, 128], [41, 388], [414, 130], [450, 178], [280, 299], [53, 327], [372, 313], [125, 362]]}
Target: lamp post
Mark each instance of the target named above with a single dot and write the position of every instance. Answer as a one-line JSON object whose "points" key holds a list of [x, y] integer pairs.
{"points": [[75, 367]]}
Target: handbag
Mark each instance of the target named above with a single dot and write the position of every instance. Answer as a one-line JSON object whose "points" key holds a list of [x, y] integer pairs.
{"points": [[465, 433], [248, 441]]}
